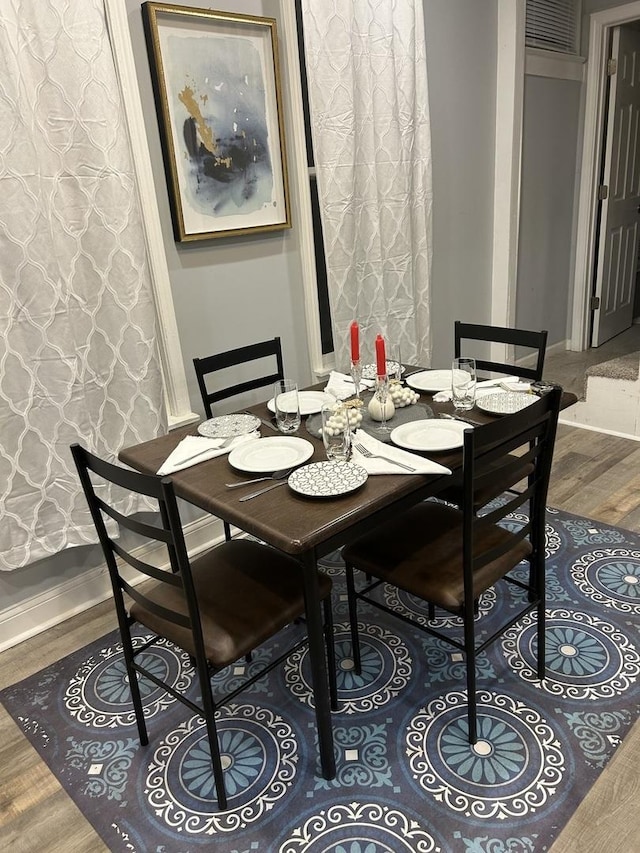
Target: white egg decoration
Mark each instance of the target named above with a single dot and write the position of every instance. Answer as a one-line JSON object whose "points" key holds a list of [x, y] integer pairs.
{"points": [[402, 395]]}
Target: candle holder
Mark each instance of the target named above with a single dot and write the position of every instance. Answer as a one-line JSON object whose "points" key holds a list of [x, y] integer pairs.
{"points": [[356, 375], [382, 395]]}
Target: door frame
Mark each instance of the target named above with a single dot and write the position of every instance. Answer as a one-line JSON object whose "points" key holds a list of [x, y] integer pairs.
{"points": [[600, 26], [510, 68]]}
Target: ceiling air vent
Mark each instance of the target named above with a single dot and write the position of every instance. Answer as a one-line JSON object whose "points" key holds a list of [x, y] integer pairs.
{"points": [[554, 25]]}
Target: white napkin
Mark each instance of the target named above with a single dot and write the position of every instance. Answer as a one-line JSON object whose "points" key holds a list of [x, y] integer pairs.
{"points": [[197, 448], [340, 385], [380, 466], [489, 386]]}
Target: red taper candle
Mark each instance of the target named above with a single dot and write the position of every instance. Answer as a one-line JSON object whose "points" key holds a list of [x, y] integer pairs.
{"points": [[381, 358], [355, 342]]}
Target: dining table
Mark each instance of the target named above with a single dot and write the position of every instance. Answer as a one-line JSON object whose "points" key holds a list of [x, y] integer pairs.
{"points": [[301, 526]]}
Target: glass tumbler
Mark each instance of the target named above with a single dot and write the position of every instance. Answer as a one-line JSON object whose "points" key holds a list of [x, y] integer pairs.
{"points": [[463, 384], [287, 406], [336, 432]]}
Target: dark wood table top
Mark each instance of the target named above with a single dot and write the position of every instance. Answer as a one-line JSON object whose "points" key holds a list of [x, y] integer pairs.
{"points": [[289, 521]]}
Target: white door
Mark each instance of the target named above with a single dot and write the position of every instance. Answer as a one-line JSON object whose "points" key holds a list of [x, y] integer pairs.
{"points": [[620, 217]]}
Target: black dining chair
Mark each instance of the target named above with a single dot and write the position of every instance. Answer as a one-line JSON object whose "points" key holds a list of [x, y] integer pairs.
{"points": [[267, 356], [448, 557], [221, 362], [535, 343], [217, 607]]}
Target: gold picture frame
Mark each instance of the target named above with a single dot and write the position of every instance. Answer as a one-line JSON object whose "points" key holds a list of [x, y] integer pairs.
{"points": [[216, 82]]}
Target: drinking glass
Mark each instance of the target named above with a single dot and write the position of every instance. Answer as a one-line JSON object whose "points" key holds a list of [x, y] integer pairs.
{"points": [[287, 405], [463, 383], [396, 357], [336, 432]]}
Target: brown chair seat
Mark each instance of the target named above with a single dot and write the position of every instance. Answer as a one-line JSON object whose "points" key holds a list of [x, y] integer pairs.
{"points": [[421, 554], [262, 594]]}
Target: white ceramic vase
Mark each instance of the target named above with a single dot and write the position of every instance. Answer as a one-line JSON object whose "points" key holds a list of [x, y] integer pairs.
{"points": [[375, 408]]}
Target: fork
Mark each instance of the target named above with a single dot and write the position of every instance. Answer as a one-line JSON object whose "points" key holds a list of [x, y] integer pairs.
{"points": [[365, 452]]}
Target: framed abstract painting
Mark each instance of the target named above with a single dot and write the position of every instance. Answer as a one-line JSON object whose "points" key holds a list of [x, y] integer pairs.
{"points": [[217, 87]]}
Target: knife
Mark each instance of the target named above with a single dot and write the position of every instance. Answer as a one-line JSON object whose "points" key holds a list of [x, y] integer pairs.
{"points": [[269, 424], [261, 491], [264, 421]]}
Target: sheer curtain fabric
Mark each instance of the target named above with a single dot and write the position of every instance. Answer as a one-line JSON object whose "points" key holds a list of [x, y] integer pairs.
{"points": [[78, 358], [367, 74]]}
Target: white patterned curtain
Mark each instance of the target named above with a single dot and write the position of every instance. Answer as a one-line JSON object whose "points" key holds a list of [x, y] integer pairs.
{"points": [[78, 357], [367, 74]]}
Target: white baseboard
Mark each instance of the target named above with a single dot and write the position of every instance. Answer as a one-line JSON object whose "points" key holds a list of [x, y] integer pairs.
{"points": [[531, 359], [50, 608], [599, 429]]}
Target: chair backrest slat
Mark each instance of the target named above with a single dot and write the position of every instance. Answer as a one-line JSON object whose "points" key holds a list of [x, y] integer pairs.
{"points": [[525, 338], [135, 525], [233, 358], [145, 568], [149, 604]]}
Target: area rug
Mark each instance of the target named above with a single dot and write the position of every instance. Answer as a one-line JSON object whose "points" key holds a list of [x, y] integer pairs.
{"points": [[407, 778]]}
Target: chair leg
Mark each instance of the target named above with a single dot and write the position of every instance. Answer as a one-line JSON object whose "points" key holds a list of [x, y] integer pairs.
{"points": [[331, 653], [137, 704], [227, 531], [470, 659], [538, 562], [431, 611], [132, 675], [353, 620], [533, 584], [212, 733], [542, 664]]}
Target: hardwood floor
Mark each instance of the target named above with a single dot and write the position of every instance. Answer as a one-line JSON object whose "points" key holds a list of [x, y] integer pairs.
{"points": [[594, 475]]}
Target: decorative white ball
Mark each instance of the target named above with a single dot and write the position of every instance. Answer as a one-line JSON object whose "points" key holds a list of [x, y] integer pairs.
{"points": [[403, 396], [355, 418]]}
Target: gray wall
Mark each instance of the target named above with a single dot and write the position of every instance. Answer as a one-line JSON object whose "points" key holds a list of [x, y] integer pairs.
{"points": [[461, 71], [232, 290], [235, 290], [549, 153]]}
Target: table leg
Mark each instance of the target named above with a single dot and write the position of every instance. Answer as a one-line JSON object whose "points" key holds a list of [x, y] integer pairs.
{"points": [[318, 662]]}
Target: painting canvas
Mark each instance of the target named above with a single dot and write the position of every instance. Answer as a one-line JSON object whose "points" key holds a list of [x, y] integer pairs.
{"points": [[217, 88]]}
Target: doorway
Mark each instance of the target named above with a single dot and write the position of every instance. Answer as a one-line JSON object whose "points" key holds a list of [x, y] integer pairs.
{"points": [[616, 243], [602, 25]]}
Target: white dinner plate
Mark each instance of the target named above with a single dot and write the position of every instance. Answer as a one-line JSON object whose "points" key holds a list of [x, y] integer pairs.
{"points": [[505, 402], [229, 426], [311, 402], [270, 454], [433, 434], [370, 371], [430, 380], [327, 479]]}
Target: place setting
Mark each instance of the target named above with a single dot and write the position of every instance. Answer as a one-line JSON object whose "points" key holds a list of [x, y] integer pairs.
{"points": [[216, 437]]}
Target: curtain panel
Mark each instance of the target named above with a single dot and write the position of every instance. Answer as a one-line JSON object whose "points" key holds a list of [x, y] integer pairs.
{"points": [[366, 67], [78, 358]]}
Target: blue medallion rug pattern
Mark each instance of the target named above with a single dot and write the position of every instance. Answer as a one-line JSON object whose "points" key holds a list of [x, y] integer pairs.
{"points": [[407, 778]]}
